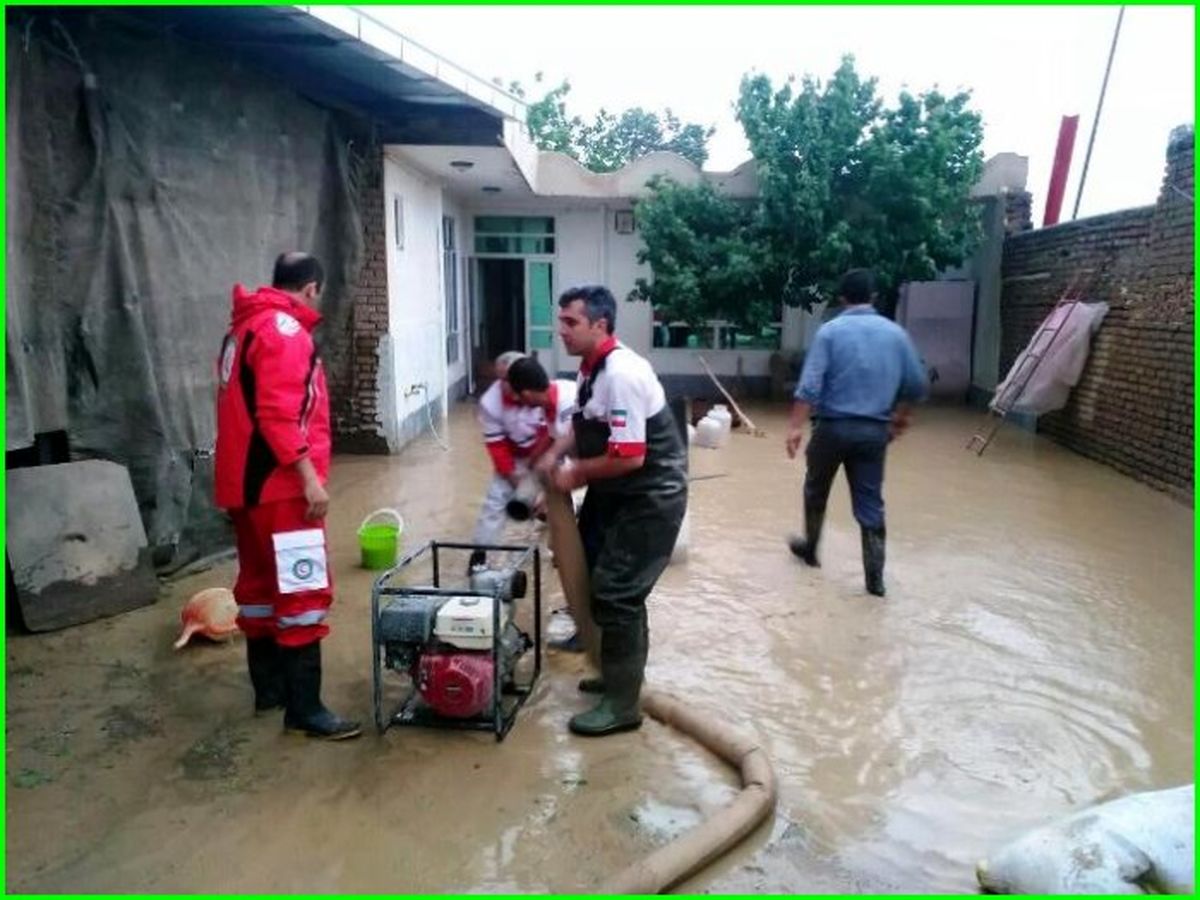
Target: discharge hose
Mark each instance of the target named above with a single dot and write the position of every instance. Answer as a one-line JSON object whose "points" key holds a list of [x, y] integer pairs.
{"points": [[708, 841]]}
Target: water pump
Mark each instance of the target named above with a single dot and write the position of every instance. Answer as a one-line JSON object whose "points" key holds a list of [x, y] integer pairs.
{"points": [[459, 647]]}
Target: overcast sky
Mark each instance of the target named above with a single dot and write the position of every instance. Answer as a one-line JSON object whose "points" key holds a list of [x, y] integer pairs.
{"points": [[1027, 67]]}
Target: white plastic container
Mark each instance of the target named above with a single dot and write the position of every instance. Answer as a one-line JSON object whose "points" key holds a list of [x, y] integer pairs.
{"points": [[709, 433], [561, 626], [721, 413]]}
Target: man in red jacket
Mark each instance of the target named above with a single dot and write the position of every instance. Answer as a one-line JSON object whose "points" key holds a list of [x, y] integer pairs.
{"points": [[272, 462]]}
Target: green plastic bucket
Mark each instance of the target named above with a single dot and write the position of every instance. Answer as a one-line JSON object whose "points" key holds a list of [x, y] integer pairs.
{"points": [[380, 541]]}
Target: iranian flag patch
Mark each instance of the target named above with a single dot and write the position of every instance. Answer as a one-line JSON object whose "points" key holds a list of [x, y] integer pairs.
{"points": [[616, 418]]}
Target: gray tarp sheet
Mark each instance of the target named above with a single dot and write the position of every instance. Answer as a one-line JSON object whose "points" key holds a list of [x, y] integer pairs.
{"points": [[144, 178]]}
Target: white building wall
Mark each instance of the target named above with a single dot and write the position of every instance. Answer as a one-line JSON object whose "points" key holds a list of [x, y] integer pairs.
{"points": [[578, 242], [635, 317], [589, 251], [581, 260], [413, 370]]}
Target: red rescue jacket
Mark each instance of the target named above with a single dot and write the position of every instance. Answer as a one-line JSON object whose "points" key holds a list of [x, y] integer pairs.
{"points": [[272, 402]]}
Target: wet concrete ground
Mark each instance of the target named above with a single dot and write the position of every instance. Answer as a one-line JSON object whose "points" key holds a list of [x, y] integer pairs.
{"points": [[1034, 654]]}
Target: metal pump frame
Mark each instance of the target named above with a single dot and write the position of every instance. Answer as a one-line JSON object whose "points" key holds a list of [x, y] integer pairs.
{"points": [[506, 701]]}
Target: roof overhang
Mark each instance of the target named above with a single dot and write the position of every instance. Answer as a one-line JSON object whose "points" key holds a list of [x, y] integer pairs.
{"points": [[344, 58], [471, 174]]}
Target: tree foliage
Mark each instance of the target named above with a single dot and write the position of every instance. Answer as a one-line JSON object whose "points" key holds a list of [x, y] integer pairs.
{"points": [[705, 256], [610, 140], [844, 181]]}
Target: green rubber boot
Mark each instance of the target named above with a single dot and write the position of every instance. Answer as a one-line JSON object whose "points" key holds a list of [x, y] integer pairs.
{"points": [[623, 665]]}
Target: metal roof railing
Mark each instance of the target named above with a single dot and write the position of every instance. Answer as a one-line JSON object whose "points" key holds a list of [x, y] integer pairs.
{"points": [[371, 31]]}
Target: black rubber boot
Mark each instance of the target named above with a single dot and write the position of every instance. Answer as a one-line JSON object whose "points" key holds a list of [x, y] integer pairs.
{"points": [[305, 712], [623, 652], [266, 674], [805, 548], [874, 541]]}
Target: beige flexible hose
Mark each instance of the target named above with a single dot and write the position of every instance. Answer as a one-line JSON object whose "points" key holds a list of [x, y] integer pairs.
{"points": [[706, 842], [696, 848]]}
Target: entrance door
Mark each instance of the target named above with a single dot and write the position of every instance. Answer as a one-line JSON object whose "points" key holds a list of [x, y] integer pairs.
{"points": [[539, 290], [500, 288]]}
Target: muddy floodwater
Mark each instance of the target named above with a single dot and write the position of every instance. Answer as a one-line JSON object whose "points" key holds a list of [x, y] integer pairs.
{"points": [[1034, 654]]}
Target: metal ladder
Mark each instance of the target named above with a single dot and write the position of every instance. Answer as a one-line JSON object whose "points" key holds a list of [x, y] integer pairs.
{"points": [[1019, 379]]}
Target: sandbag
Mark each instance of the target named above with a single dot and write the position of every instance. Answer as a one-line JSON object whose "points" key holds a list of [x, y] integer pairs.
{"points": [[1142, 843]]}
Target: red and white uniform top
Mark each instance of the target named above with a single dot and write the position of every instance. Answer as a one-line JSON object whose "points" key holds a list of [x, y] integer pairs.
{"points": [[512, 431], [625, 394], [272, 401]]}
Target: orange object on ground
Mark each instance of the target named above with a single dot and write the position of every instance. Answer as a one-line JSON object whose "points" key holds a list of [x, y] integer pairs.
{"points": [[211, 613]]}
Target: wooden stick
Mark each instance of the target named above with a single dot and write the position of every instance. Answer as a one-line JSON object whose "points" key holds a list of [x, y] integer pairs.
{"points": [[758, 432]]}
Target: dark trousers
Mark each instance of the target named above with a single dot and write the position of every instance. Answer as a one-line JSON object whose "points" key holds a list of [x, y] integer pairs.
{"points": [[627, 541], [858, 444]]}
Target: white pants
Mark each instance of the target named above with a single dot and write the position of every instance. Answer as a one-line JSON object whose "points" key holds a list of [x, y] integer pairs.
{"points": [[493, 516]]}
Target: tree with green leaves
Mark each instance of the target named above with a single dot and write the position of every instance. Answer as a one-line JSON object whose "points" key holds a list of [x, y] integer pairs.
{"points": [[705, 256], [546, 118], [609, 141], [843, 180]]}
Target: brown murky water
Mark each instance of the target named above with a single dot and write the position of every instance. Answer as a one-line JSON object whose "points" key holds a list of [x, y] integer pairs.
{"points": [[1034, 654]]}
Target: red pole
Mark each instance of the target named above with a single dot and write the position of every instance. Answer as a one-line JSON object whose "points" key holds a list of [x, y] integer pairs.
{"points": [[1062, 165]]}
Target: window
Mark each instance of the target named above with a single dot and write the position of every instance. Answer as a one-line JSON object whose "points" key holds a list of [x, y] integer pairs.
{"points": [[715, 335], [718, 334], [398, 220], [450, 283], [514, 235]]}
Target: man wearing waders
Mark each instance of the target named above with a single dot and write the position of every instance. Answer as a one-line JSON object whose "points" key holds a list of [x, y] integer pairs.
{"points": [[625, 447], [272, 463], [860, 377]]}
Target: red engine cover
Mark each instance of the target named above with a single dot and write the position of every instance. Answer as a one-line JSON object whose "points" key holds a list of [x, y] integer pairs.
{"points": [[456, 685]]}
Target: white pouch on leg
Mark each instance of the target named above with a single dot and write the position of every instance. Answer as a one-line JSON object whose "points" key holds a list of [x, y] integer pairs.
{"points": [[300, 563]]}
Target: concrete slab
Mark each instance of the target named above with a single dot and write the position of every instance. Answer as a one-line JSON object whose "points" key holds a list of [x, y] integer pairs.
{"points": [[76, 544]]}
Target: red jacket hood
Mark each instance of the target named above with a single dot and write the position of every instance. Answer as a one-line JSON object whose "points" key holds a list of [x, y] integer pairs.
{"points": [[247, 304]]}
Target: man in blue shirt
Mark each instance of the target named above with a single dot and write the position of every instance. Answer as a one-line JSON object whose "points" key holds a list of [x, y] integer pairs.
{"points": [[860, 377]]}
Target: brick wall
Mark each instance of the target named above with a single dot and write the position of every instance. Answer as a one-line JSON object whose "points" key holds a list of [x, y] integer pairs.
{"points": [[1133, 406], [354, 398]]}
